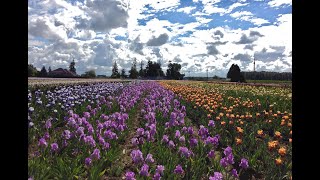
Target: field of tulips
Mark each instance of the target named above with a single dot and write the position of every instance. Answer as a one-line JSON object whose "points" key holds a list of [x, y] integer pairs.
{"points": [[158, 130]]}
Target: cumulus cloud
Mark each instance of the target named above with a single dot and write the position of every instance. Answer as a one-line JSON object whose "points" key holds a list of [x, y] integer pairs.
{"points": [[137, 46], [158, 41], [103, 15], [245, 40], [243, 57], [219, 33], [212, 50], [266, 56], [255, 33], [249, 46]]}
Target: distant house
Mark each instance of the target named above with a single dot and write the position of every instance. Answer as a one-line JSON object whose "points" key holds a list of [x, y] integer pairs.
{"points": [[63, 73]]}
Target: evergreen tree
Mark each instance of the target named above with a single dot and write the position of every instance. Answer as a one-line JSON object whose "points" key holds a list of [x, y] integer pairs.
{"points": [[141, 71], [43, 72], [49, 70], [72, 67], [115, 72], [133, 71], [123, 73]]}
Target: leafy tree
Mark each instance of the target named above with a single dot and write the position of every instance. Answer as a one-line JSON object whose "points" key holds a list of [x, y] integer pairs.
{"points": [[49, 70], [154, 69], [89, 74], [115, 72], [173, 71], [123, 73], [32, 71], [43, 72], [133, 73], [72, 67], [234, 74]]}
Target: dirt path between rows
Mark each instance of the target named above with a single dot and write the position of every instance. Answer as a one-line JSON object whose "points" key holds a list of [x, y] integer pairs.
{"points": [[125, 160]]}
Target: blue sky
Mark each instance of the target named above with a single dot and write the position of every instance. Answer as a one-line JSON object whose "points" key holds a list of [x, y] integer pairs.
{"points": [[200, 34]]}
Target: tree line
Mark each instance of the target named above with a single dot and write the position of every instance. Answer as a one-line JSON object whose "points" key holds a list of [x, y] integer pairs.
{"points": [[151, 71], [265, 75]]}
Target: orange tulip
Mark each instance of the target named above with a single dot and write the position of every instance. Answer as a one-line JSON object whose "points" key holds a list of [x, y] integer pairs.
{"points": [[238, 141], [223, 123], [282, 151], [277, 134], [260, 132], [278, 161]]}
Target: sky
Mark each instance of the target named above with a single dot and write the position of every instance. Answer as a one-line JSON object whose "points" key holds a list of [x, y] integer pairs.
{"points": [[200, 35]]}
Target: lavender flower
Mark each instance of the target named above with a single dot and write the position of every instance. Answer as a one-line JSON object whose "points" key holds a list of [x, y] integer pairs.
{"points": [[43, 142], [182, 139], [160, 169], [48, 124], [223, 162], [193, 142], [227, 151], [130, 175], [203, 132], [165, 139], [177, 135], [211, 123], [54, 147], [156, 176], [217, 176], [171, 144], [185, 152], [136, 156], [230, 159], [190, 130], [95, 154], [140, 131], [134, 141], [211, 154], [234, 173], [46, 135], [144, 170], [178, 169], [66, 134], [244, 163], [149, 158], [88, 161]]}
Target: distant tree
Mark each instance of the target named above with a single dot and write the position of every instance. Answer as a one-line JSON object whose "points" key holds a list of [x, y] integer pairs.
{"points": [[234, 74], [141, 71], [89, 74], [154, 69], [49, 70], [115, 71], [32, 71], [43, 72], [72, 67], [123, 73], [173, 71], [133, 73]]}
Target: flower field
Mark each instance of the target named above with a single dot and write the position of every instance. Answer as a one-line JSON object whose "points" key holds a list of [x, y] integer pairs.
{"points": [[159, 130]]}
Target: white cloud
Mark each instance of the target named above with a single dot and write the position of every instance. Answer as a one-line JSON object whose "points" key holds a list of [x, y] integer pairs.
{"points": [[277, 3], [248, 16], [186, 10], [238, 14], [258, 21]]}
